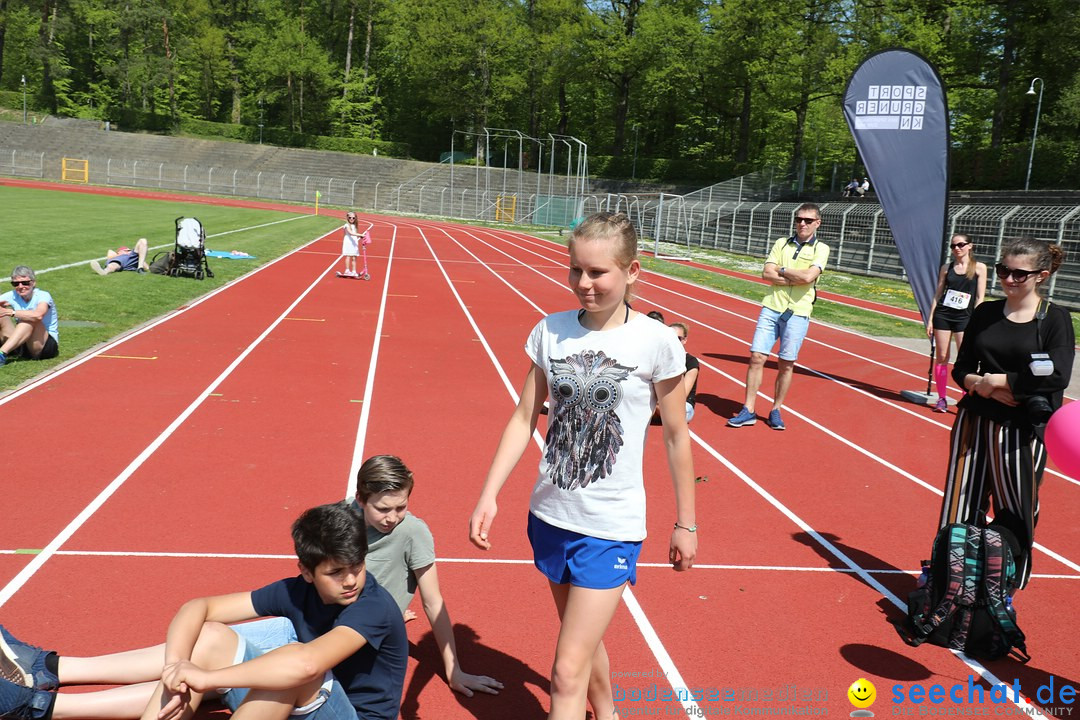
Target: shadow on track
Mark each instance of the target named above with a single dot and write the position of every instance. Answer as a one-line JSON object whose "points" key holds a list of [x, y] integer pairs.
{"points": [[514, 700]]}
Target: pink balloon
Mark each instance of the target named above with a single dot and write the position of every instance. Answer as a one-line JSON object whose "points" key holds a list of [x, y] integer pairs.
{"points": [[1063, 439]]}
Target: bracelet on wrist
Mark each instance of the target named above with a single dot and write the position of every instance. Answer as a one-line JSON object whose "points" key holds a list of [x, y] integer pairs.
{"points": [[692, 528]]}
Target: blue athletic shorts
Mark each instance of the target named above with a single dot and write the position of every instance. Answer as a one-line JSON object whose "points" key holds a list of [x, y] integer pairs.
{"points": [[771, 326], [569, 557]]}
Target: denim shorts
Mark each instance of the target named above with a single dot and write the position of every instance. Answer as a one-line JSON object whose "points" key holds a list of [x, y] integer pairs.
{"points": [[771, 326], [262, 636], [564, 556]]}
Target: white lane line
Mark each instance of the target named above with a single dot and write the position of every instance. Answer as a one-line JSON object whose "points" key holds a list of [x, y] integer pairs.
{"points": [[124, 337], [49, 550], [81, 263], [504, 561], [369, 384], [644, 626], [854, 567]]}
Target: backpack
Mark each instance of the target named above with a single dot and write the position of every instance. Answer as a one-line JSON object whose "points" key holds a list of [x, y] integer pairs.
{"points": [[966, 601], [162, 263]]}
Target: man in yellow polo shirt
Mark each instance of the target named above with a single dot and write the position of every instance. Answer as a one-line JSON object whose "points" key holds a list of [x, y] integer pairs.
{"points": [[792, 268]]}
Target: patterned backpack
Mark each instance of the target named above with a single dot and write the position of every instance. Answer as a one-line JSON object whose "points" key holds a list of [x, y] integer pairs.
{"points": [[966, 600]]}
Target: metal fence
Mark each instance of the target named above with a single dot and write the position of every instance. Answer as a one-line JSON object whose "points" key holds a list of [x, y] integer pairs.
{"points": [[857, 232], [474, 196]]}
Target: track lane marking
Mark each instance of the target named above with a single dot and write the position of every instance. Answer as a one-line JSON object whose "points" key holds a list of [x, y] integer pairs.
{"points": [[369, 383], [87, 512]]}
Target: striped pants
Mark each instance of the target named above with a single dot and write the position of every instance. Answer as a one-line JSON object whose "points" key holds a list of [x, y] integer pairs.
{"points": [[989, 461]]}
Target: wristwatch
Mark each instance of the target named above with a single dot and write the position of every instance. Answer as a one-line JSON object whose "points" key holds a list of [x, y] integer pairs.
{"points": [[782, 271]]}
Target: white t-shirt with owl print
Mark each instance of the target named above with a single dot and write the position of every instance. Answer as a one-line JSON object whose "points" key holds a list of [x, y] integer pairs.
{"points": [[602, 399]]}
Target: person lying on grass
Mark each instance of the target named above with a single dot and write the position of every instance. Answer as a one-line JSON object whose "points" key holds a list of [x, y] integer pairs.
{"points": [[123, 258], [401, 553], [333, 647]]}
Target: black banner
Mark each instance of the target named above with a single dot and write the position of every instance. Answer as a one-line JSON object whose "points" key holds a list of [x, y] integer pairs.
{"points": [[896, 108]]}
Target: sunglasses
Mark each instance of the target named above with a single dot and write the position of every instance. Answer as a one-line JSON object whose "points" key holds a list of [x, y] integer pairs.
{"points": [[682, 338], [1004, 271], [17, 283], [959, 245], [806, 221]]}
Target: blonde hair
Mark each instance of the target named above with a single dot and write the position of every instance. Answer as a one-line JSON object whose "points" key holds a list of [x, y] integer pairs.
{"points": [[681, 326], [616, 228]]}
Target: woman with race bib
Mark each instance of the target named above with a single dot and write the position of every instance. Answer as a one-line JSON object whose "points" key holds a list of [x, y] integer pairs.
{"points": [[961, 286]]}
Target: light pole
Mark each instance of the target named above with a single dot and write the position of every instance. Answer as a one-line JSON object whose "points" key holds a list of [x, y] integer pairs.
{"points": [[23, 99], [260, 120], [633, 167], [1035, 133]]}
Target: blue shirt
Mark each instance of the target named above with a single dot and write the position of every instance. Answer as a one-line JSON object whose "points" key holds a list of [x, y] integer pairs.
{"points": [[39, 296], [374, 676]]}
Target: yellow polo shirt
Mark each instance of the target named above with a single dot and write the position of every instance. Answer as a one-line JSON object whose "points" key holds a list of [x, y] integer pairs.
{"points": [[787, 253]]}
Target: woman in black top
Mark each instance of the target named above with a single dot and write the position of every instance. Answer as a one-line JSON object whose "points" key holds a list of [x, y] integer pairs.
{"points": [[961, 286], [1009, 356]]}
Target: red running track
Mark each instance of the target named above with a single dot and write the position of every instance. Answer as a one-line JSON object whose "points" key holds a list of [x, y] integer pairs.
{"points": [[283, 380]]}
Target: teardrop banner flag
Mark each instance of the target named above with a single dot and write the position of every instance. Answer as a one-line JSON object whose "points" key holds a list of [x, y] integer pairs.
{"points": [[896, 108]]}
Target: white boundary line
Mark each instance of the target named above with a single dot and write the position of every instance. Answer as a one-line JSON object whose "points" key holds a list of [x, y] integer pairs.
{"points": [[369, 384], [40, 559], [500, 561]]}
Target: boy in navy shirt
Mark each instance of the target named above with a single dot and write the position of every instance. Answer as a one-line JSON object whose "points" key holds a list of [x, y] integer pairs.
{"points": [[335, 648]]}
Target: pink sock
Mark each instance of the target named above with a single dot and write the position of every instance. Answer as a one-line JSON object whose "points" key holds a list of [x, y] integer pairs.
{"points": [[941, 376]]}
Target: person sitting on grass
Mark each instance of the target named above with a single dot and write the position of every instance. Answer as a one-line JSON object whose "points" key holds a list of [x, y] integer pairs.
{"points": [[28, 323], [123, 258], [334, 648], [401, 553]]}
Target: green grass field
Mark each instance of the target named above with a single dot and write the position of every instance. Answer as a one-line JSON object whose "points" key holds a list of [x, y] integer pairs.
{"points": [[47, 229]]}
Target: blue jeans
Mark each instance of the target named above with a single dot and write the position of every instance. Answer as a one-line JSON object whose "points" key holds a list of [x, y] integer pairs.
{"points": [[262, 636], [772, 326]]}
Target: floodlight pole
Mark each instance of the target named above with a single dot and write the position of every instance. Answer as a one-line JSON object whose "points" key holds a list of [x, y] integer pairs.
{"points": [[1035, 133], [260, 120], [633, 167], [23, 99]]}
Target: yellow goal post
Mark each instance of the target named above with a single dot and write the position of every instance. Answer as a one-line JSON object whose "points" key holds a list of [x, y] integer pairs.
{"points": [[75, 170]]}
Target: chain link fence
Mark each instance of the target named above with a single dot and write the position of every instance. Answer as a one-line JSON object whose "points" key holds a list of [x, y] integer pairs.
{"points": [[857, 232]]}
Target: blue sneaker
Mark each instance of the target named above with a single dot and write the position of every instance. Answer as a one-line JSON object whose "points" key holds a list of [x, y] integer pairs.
{"points": [[28, 661], [745, 417], [3, 359], [23, 703], [775, 421]]}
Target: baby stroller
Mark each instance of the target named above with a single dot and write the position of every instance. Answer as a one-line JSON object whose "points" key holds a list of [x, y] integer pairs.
{"points": [[190, 252]]}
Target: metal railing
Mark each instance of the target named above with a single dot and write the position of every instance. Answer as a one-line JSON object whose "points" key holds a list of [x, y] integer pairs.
{"points": [[857, 232], [428, 196]]}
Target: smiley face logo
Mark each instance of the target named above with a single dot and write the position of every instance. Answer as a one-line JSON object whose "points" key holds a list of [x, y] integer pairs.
{"points": [[862, 693]]}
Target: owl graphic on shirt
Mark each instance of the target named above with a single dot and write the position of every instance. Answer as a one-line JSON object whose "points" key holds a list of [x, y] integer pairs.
{"points": [[584, 432]]}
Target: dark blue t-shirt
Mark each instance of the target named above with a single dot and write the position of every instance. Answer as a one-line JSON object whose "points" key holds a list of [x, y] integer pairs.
{"points": [[373, 677]]}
